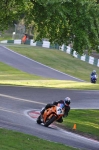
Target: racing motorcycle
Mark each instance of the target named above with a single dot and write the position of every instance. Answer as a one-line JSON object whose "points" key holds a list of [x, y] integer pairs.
{"points": [[50, 115], [93, 79]]}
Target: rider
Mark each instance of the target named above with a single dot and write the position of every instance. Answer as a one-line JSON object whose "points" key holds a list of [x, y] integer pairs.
{"points": [[66, 102], [93, 73]]}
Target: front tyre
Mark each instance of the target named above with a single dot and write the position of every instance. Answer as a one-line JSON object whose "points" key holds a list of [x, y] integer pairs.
{"points": [[39, 120], [51, 120]]}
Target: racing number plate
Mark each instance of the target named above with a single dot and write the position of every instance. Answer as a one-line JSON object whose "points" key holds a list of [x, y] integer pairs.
{"points": [[59, 111]]}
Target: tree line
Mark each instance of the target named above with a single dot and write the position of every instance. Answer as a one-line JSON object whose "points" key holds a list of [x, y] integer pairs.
{"points": [[74, 22]]}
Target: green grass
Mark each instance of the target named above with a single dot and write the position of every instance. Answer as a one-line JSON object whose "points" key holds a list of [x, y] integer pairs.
{"points": [[87, 122], [6, 37], [58, 60], [11, 140], [12, 76], [8, 73], [55, 59]]}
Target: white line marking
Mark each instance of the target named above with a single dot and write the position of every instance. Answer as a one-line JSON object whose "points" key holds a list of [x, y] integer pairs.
{"points": [[21, 99], [10, 111]]}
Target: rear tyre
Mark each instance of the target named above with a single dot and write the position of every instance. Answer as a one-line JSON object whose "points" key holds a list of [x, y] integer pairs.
{"points": [[39, 120], [50, 121]]}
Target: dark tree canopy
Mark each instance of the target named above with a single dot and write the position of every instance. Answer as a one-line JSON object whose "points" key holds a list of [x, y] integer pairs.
{"points": [[61, 21]]}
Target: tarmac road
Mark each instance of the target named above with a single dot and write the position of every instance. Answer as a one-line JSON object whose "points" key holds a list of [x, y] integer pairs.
{"points": [[17, 102]]}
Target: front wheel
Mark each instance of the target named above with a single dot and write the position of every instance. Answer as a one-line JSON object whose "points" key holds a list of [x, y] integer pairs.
{"points": [[51, 120], [39, 120]]}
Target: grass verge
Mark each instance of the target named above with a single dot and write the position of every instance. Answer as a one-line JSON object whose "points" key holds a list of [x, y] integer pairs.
{"points": [[11, 140], [87, 123], [51, 84], [58, 60], [12, 76]]}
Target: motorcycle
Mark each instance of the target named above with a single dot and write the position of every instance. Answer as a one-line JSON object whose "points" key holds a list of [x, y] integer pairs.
{"points": [[50, 115], [93, 79]]}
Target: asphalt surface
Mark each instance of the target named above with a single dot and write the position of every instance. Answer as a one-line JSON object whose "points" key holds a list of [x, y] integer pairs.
{"points": [[17, 102]]}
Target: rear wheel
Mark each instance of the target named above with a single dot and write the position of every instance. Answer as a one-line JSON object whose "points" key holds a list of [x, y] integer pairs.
{"points": [[51, 120], [39, 120]]}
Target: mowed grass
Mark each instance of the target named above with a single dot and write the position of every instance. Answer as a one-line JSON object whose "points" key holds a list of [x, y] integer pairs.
{"points": [[58, 60], [8, 73], [87, 122], [11, 140], [12, 76], [55, 59]]}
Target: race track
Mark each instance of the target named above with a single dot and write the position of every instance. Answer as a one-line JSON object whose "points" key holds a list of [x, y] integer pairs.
{"points": [[17, 104]]}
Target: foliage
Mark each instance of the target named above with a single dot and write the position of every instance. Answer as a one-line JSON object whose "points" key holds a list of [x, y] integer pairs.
{"points": [[9, 11], [61, 21]]}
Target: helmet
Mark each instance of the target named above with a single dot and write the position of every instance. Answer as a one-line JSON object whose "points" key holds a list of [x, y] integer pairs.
{"points": [[67, 100], [94, 71]]}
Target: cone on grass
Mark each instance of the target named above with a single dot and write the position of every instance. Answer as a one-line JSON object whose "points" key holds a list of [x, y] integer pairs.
{"points": [[74, 127]]}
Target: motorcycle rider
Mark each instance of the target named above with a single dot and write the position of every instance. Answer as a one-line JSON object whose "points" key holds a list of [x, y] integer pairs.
{"points": [[65, 104], [93, 73]]}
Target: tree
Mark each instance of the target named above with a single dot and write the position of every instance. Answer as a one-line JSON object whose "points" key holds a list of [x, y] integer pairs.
{"points": [[9, 11], [61, 21]]}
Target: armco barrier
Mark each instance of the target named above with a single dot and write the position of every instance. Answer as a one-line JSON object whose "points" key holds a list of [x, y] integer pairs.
{"points": [[91, 60]]}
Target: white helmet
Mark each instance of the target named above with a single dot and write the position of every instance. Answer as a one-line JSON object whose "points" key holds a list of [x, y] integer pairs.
{"points": [[94, 71], [67, 100]]}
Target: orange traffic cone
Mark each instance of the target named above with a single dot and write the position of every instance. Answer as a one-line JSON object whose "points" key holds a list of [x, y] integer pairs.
{"points": [[74, 127]]}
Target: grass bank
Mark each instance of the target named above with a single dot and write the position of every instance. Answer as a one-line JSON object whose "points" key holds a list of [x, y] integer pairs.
{"points": [[58, 60], [87, 122], [11, 140], [55, 59], [12, 76]]}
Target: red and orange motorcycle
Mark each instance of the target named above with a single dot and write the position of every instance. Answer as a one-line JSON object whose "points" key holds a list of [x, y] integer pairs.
{"points": [[50, 115]]}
